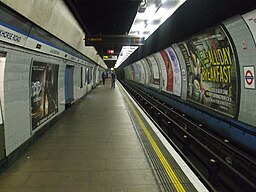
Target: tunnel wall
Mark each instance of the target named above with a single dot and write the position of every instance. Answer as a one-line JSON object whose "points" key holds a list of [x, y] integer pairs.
{"points": [[55, 17], [226, 100]]}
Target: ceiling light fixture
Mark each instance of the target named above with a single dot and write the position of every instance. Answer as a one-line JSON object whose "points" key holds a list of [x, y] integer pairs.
{"points": [[148, 18]]}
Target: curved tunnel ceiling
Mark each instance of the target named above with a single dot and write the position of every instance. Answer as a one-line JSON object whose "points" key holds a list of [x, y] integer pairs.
{"points": [[192, 17], [116, 17]]}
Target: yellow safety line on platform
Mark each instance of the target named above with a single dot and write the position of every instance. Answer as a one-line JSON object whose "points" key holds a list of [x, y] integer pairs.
{"points": [[163, 160]]}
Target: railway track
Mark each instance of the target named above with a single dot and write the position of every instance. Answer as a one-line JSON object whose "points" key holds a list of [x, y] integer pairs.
{"points": [[219, 163]]}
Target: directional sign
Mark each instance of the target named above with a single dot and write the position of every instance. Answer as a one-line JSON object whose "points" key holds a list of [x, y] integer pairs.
{"points": [[114, 40], [249, 77], [109, 57]]}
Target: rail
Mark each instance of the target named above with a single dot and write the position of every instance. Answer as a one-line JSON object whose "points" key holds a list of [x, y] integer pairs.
{"points": [[215, 159]]}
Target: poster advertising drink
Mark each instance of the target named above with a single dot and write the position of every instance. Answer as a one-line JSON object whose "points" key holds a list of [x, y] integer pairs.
{"points": [[153, 67], [211, 68], [44, 92]]}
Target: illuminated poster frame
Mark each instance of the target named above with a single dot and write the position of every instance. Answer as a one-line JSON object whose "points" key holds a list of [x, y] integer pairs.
{"points": [[211, 70]]}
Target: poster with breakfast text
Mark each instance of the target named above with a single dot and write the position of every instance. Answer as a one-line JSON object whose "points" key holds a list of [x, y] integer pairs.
{"points": [[211, 70]]}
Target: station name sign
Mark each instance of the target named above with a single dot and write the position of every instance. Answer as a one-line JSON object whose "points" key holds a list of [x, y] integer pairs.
{"points": [[118, 40]]}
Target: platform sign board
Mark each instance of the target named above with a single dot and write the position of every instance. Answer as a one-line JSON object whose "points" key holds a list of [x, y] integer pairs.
{"points": [[44, 92], [249, 77], [211, 70], [109, 57], [11, 36], [114, 40]]}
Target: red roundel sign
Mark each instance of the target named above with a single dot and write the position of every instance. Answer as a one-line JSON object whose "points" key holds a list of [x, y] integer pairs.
{"points": [[249, 77]]}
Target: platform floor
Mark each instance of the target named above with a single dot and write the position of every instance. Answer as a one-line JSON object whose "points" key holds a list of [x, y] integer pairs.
{"points": [[102, 144], [94, 148]]}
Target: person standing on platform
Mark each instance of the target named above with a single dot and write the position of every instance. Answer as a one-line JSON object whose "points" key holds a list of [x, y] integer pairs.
{"points": [[103, 78], [113, 76]]}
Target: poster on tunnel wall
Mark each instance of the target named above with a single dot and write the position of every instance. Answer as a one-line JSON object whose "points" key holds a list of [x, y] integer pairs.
{"points": [[147, 71], [141, 72], [89, 80], [136, 72], [162, 68], [211, 68], [173, 74], [126, 73], [131, 72], [85, 75], [154, 72], [44, 92]]}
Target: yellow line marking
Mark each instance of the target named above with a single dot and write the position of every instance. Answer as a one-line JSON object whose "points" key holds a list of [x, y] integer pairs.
{"points": [[163, 160]]}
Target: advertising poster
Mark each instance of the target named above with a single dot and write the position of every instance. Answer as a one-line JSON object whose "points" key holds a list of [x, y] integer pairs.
{"points": [[161, 62], [126, 73], [146, 70], [89, 75], [169, 72], [44, 92], [211, 68], [136, 72], [85, 75], [142, 71], [153, 67], [173, 73], [176, 73], [81, 77], [131, 72]]}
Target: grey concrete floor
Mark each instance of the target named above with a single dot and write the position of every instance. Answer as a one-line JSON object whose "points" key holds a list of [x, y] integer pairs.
{"points": [[94, 148]]}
